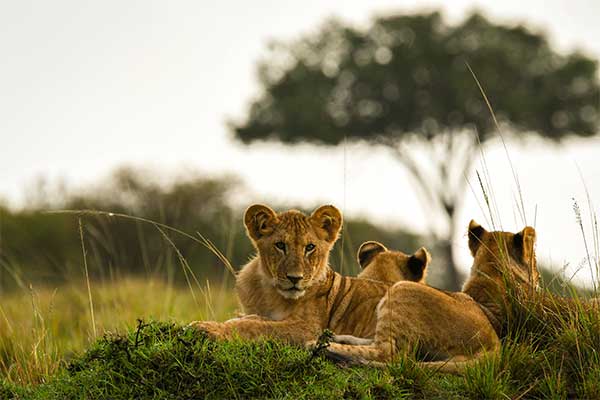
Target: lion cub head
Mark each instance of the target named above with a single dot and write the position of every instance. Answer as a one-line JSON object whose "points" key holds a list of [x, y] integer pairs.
{"points": [[293, 248], [496, 253], [385, 265]]}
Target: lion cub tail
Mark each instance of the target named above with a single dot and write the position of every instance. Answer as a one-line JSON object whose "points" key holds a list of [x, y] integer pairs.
{"points": [[372, 356], [454, 365]]}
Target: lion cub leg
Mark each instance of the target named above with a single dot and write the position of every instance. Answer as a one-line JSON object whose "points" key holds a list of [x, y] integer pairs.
{"points": [[371, 354], [367, 351], [389, 340], [353, 340]]}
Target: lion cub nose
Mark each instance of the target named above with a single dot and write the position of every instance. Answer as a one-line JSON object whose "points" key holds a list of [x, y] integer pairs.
{"points": [[294, 278]]}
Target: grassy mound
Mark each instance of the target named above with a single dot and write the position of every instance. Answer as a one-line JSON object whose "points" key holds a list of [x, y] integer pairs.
{"points": [[164, 360], [551, 351]]}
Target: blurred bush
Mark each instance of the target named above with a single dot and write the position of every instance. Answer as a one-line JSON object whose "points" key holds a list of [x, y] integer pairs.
{"points": [[41, 248]]}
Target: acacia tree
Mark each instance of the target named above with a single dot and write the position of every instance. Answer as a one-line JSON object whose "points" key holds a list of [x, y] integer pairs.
{"points": [[404, 82]]}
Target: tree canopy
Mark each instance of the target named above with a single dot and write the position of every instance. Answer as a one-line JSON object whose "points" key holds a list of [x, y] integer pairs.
{"points": [[407, 75]]}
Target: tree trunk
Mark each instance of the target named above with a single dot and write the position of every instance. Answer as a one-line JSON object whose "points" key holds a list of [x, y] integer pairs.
{"points": [[450, 279], [442, 189]]}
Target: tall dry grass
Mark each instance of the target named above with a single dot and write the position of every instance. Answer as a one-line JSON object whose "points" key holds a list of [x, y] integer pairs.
{"points": [[41, 328]]}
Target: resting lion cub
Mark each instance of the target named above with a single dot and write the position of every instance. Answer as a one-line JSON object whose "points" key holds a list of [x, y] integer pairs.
{"points": [[381, 264], [290, 286], [451, 328]]}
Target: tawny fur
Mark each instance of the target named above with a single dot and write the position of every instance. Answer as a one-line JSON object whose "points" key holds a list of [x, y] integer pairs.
{"points": [[321, 298], [385, 265], [453, 329]]}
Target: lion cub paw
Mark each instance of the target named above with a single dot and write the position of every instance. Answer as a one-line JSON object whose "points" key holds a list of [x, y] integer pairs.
{"points": [[212, 329]]}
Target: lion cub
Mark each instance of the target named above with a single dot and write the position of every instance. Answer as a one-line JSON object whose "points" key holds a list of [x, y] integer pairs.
{"points": [[380, 264], [289, 289], [383, 265], [451, 329]]}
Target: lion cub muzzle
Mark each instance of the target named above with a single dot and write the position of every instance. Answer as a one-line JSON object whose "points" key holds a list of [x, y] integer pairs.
{"points": [[293, 287]]}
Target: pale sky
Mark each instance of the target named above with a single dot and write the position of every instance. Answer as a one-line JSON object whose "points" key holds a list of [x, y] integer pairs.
{"points": [[86, 86]]}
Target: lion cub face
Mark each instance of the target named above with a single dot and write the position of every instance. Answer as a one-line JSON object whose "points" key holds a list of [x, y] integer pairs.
{"points": [[514, 252], [381, 264], [293, 248]]}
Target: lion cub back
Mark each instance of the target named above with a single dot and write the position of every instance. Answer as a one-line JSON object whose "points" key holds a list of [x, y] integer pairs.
{"points": [[385, 265]]}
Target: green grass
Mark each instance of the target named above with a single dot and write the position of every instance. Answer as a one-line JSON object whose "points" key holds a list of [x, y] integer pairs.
{"points": [[165, 360], [50, 350], [543, 356]]}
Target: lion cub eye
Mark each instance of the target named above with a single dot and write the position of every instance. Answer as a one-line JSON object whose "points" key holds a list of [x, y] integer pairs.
{"points": [[309, 247], [280, 245]]}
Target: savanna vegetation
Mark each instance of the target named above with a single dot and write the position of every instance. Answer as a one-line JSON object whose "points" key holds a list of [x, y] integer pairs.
{"points": [[546, 354], [120, 333], [94, 304]]}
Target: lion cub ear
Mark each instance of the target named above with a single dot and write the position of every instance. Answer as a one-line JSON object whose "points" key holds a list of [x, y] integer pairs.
{"points": [[327, 220], [367, 251], [475, 233], [524, 244], [418, 262], [260, 221]]}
